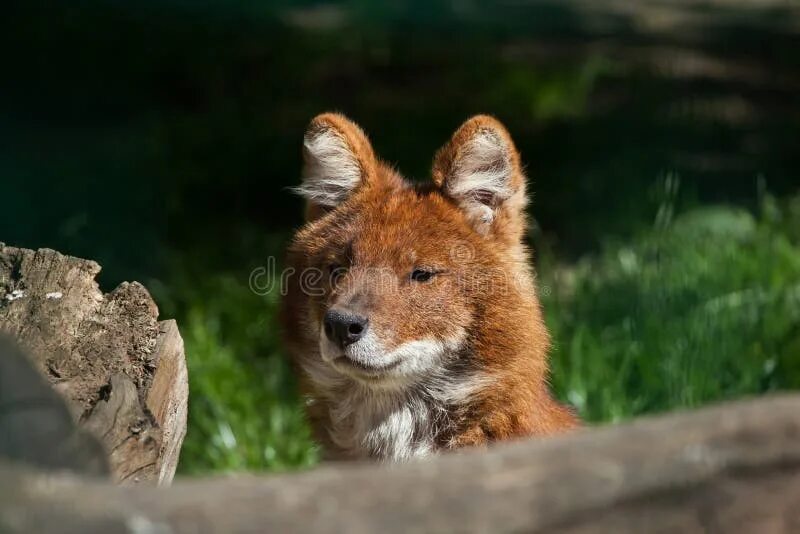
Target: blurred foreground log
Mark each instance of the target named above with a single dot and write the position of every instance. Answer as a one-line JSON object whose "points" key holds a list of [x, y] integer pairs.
{"points": [[730, 468], [121, 372]]}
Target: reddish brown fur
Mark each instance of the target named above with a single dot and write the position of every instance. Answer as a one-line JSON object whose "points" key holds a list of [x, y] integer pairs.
{"points": [[387, 223]]}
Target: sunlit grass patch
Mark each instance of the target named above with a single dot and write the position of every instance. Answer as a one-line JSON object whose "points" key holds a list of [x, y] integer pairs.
{"points": [[703, 309]]}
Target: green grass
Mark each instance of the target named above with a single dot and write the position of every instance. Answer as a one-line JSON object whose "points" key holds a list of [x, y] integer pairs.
{"points": [[695, 310], [701, 309], [244, 411]]}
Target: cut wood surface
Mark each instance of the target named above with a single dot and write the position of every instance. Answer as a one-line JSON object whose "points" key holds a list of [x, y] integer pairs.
{"points": [[733, 468], [121, 372]]}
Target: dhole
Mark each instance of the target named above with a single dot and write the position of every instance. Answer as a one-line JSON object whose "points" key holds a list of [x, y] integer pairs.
{"points": [[412, 316]]}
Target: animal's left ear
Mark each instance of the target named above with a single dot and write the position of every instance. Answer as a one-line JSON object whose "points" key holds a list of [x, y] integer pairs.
{"points": [[479, 169]]}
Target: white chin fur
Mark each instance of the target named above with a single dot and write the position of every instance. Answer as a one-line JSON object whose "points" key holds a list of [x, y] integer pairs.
{"points": [[395, 415], [409, 360]]}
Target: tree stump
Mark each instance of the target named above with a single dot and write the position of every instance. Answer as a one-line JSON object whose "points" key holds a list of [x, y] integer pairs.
{"points": [[121, 372]]}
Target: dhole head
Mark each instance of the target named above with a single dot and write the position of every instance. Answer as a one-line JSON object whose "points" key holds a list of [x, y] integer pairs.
{"points": [[391, 277]]}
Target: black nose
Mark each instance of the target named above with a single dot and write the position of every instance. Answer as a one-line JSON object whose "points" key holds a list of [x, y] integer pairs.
{"points": [[344, 328]]}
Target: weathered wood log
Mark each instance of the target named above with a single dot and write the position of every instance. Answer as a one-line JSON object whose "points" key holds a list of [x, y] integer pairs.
{"points": [[732, 468], [35, 425], [121, 372]]}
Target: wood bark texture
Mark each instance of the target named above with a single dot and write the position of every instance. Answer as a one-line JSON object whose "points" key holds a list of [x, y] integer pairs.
{"points": [[121, 372]]}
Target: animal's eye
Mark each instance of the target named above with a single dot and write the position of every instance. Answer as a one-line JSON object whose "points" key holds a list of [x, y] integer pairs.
{"points": [[422, 275], [336, 271]]}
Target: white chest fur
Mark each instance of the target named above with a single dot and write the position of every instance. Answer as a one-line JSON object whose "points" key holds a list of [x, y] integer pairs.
{"points": [[392, 426]]}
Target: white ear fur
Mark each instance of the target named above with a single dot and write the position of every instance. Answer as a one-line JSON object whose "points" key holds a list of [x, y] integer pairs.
{"points": [[331, 170], [481, 177]]}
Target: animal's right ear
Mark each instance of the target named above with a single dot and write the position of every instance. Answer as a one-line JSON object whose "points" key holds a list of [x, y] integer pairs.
{"points": [[337, 160]]}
